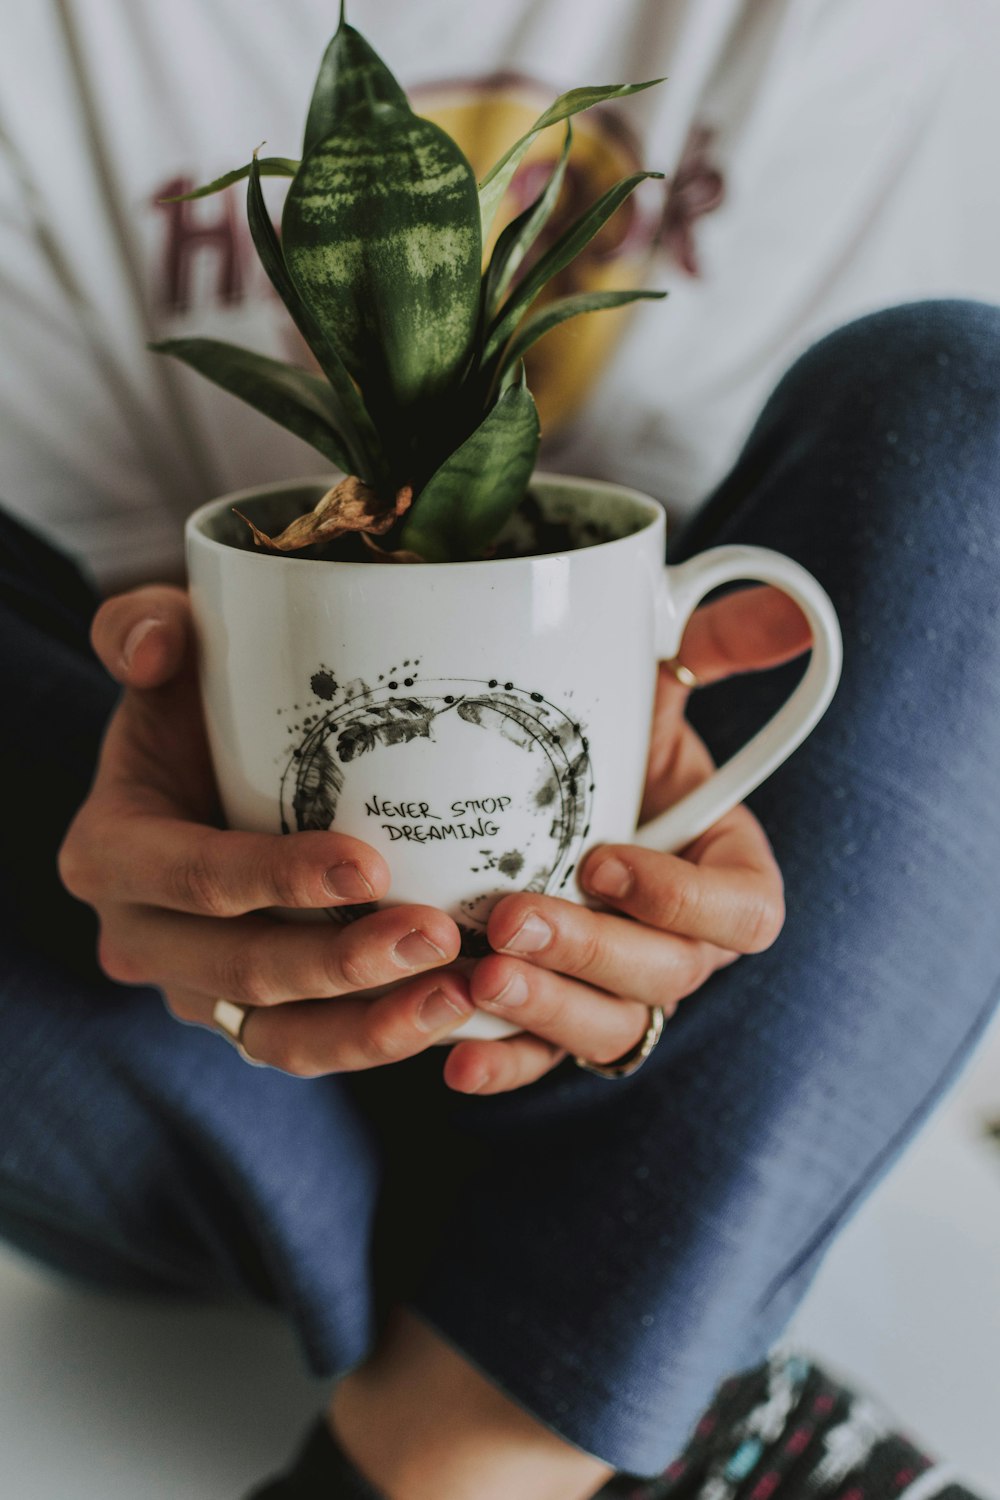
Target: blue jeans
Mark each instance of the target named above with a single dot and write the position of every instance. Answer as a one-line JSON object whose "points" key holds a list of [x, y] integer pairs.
{"points": [[605, 1252]]}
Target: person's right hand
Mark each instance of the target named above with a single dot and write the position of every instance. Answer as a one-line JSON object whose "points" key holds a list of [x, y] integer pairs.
{"points": [[180, 899]]}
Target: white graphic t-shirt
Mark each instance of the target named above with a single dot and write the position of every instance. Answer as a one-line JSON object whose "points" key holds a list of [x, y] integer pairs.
{"points": [[823, 158]]}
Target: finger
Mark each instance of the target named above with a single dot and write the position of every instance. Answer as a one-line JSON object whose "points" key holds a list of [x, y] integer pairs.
{"points": [[745, 631], [315, 1037], [331, 1036], [498, 1067], [141, 636], [678, 759], [611, 952], [260, 962], [190, 1006], [188, 867], [572, 1015], [731, 896]]}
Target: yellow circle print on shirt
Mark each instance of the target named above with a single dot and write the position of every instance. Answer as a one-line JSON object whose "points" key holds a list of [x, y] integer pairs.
{"points": [[486, 116]]}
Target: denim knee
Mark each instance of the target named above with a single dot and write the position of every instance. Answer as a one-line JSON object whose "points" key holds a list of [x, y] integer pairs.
{"points": [[898, 415], [924, 345], [876, 465], [881, 448], [911, 387], [881, 444]]}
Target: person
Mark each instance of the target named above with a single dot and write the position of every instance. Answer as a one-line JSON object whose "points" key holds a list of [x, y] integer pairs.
{"points": [[528, 1278]]}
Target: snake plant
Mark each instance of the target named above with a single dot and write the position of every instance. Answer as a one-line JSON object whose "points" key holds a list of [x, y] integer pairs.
{"points": [[420, 395]]}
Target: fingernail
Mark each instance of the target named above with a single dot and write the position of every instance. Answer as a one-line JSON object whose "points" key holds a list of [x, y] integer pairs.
{"points": [[533, 934], [439, 1009], [612, 877], [134, 639], [346, 880], [415, 951], [514, 992], [477, 1085]]}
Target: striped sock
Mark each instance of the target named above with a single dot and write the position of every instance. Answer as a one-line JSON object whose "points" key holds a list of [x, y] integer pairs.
{"points": [[788, 1431]]}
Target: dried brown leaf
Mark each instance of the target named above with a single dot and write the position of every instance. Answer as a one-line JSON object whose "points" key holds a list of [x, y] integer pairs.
{"points": [[351, 505]]}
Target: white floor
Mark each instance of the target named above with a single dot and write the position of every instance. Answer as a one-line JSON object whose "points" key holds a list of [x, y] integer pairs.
{"points": [[103, 1397]]}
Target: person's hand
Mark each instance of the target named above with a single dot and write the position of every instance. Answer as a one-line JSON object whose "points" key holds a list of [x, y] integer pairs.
{"points": [[583, 982], [180, 899]]}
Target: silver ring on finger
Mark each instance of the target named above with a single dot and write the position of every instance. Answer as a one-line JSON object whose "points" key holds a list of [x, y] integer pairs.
{"points": [[631, 1061], [230, 1020]]}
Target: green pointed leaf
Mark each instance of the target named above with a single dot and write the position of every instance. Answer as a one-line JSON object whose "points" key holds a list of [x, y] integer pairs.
{"points": [[519, 236], [381, 239], [350, 416], [566, 248], [559, 312], [291, 397], [268, 166], [466, 503], [498, 179], [352, 77]]}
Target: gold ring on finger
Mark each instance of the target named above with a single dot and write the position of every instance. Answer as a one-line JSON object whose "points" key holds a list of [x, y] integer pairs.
{"points": [[684, 675], [631, 1061], [230, 1019]]}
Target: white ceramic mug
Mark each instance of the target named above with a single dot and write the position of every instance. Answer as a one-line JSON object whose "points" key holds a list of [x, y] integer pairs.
{"points": [[481, 724]]}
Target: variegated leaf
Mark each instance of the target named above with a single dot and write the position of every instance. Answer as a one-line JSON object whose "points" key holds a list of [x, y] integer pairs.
{"points": [[534, 328], [381, 238], [519, 236], [500, 176], [351, 76], [267, 166], [350, 414], [565, 250], [293, 398], [466, 503]]}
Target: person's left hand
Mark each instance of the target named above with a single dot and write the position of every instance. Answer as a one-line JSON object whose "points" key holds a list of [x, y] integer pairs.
{"points": [[583, 982]]}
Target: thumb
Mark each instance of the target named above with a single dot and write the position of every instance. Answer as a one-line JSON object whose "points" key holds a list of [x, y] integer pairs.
{"points": [[745, 631], [141, 637]]}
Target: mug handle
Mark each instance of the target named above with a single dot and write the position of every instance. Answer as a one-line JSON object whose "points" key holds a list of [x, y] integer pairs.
{"points": [[683, 587]]}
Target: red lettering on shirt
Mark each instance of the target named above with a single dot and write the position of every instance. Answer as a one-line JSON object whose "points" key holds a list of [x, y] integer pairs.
{"points": [[202, 227]]}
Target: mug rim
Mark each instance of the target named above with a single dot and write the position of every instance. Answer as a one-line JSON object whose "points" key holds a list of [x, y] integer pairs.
{"points": [[195, 535]]}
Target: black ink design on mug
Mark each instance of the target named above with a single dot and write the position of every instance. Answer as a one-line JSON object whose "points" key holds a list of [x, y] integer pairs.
{"points": [[350, 719]]}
